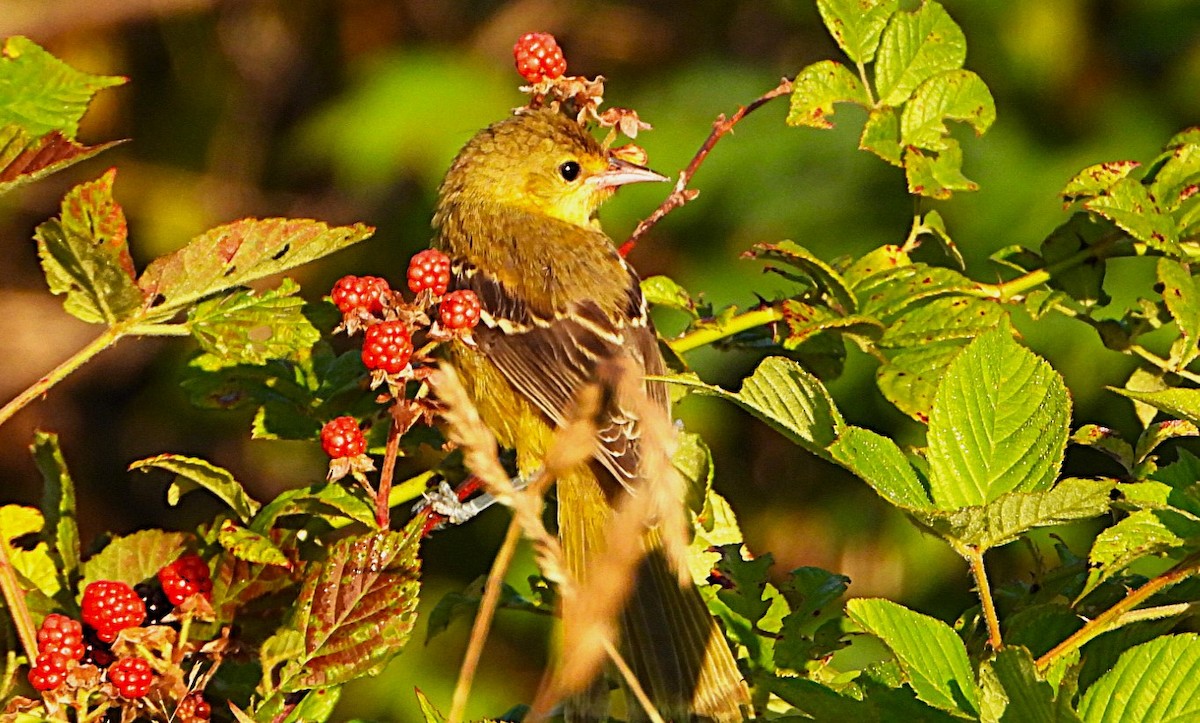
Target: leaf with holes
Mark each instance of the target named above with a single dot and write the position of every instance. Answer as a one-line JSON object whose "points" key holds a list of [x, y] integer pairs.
{"points": [[1096, 179], [953, 95], [936, 175], [247, 327], [817, 88]]}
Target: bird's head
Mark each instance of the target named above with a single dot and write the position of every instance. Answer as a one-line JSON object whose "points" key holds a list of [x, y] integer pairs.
{"points": [[540, 162]]}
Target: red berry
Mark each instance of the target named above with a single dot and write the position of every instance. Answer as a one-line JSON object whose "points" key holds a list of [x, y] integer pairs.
{"points": [[49, 671], [429, 269], [61, 634], [185, 577], [193, 708], [365, 293], [539, 57], [132, 676], [387, 346], [459, 310], [110, 607], [342, 437]]}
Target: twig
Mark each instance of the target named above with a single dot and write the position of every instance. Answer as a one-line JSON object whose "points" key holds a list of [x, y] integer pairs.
{"points": [[979, 572], [681, 194], [383, 493], [14, 597]]}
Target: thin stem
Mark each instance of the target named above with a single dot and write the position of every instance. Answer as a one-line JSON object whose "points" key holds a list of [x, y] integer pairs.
{"points": [[984, 588], [681, 194], [483, 621], [383, 509], [709, 334], [862, 75], [1163, 364], [1033, 279], [76, 360], [14, 598], [1106, 620]]}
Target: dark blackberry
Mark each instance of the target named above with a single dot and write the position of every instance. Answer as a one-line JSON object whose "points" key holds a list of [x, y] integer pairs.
{"points": [[95, 651], [157, 604]]}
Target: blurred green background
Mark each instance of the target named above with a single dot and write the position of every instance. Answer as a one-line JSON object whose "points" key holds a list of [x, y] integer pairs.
{"points": [[349, 111]]}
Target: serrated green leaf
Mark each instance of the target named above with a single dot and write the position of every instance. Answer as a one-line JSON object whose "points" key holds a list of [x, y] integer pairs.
{"points": [[58, 503], [245, 544], [1182, 297], [881, 135], [327, 499], [877, 261], [1096, 179], [1176, 402], [430, 713], [133, 558], [356, 609], [933, 658], [1150, 683], [808, 589], [41, 93], [192, 473], [716, 525], [817, 88], [693, 460], [915, 47], [953, 95], [235, 254], [25, 158], [803, 321], [998, 424], [936, 175], [824, 277], [879, 462], [1128, 204], [785, 396], [1027, 697], [85, 255], [910, 377], [246, 327], [892, 291], [664, 291], [1177, 175], [857, 24], [316, 705], [1107, 441], [1156, 434], [944, 319], [744, 582], [1144, 532], [1009, 516]]}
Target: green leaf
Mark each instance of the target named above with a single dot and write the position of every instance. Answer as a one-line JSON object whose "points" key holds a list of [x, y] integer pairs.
{"points": [[428, 711], [817, 88], [237, 253], [803, 321], [316, 705], [892, 291], [1178, 175], [1128, 204], [881, 135], [716, 525], [879, 462], [933, 659], [939, 175], [1084, 282], [857, 24], [785, 396], [1009, 516], [1150, 683], [356, 609], [250, 546], [246, 327], [944, 319], [915, 47], [1096, 180], [998, 424], [910, 377], [953, 95], [1178, 403], [34, 565], [237, 582], [823, 277], [193, 474], [328, 500], [1027, 697], [25, 158], [1142, 533], [664, 291], [85, 255], [1107, 441], [134, 558], [693, 460], [1182, 297], [58, 503], [809, 589], [1156, 434], [43, 94]]}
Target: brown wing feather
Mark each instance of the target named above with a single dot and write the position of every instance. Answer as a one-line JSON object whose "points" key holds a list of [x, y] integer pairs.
{"points": [[549, 357]]}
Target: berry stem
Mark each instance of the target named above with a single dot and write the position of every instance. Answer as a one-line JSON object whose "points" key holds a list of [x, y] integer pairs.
{"points": [[60, 372], [383, 510], [14, 598], [709, 334], [681, 194]]}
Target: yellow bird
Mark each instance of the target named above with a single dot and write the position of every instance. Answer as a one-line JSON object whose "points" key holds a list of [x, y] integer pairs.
{"points": [[516, 214]]}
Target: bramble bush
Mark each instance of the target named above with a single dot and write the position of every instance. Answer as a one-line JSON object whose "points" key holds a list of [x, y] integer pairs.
{"points": [[265, 611]]}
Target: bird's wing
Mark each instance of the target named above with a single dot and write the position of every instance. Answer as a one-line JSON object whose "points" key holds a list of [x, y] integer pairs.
{"points": [[549, 356]]}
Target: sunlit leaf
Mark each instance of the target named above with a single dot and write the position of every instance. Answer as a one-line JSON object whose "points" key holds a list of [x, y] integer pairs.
{"points": [[892, 291], [133, 558], [933, 658], [953, 95], [936, 175], [881, 135], [1096, 179], [58, 502], [41, 93], [1182, 296], [915, 47], [1128, 204], [664, 291], [1026, 696], [247, 327], [1150, 683], [823, 276], [805, 320], [85, 255], [192, 474], [944, 319], [817, 88], [25, 158], [998, 424], [910, 377], [250, 546], [857, 24], [879, 462], [1177, 176], [1175, 401]]}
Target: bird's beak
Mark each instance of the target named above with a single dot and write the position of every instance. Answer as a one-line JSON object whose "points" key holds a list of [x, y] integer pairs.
{"points": [[620, 173]]}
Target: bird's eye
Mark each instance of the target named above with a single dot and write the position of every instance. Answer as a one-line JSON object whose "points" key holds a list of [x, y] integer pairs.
{"points": [[569, 171]]}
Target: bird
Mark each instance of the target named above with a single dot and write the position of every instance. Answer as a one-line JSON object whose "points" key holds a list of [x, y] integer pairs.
{"points": [[517, 216]]}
